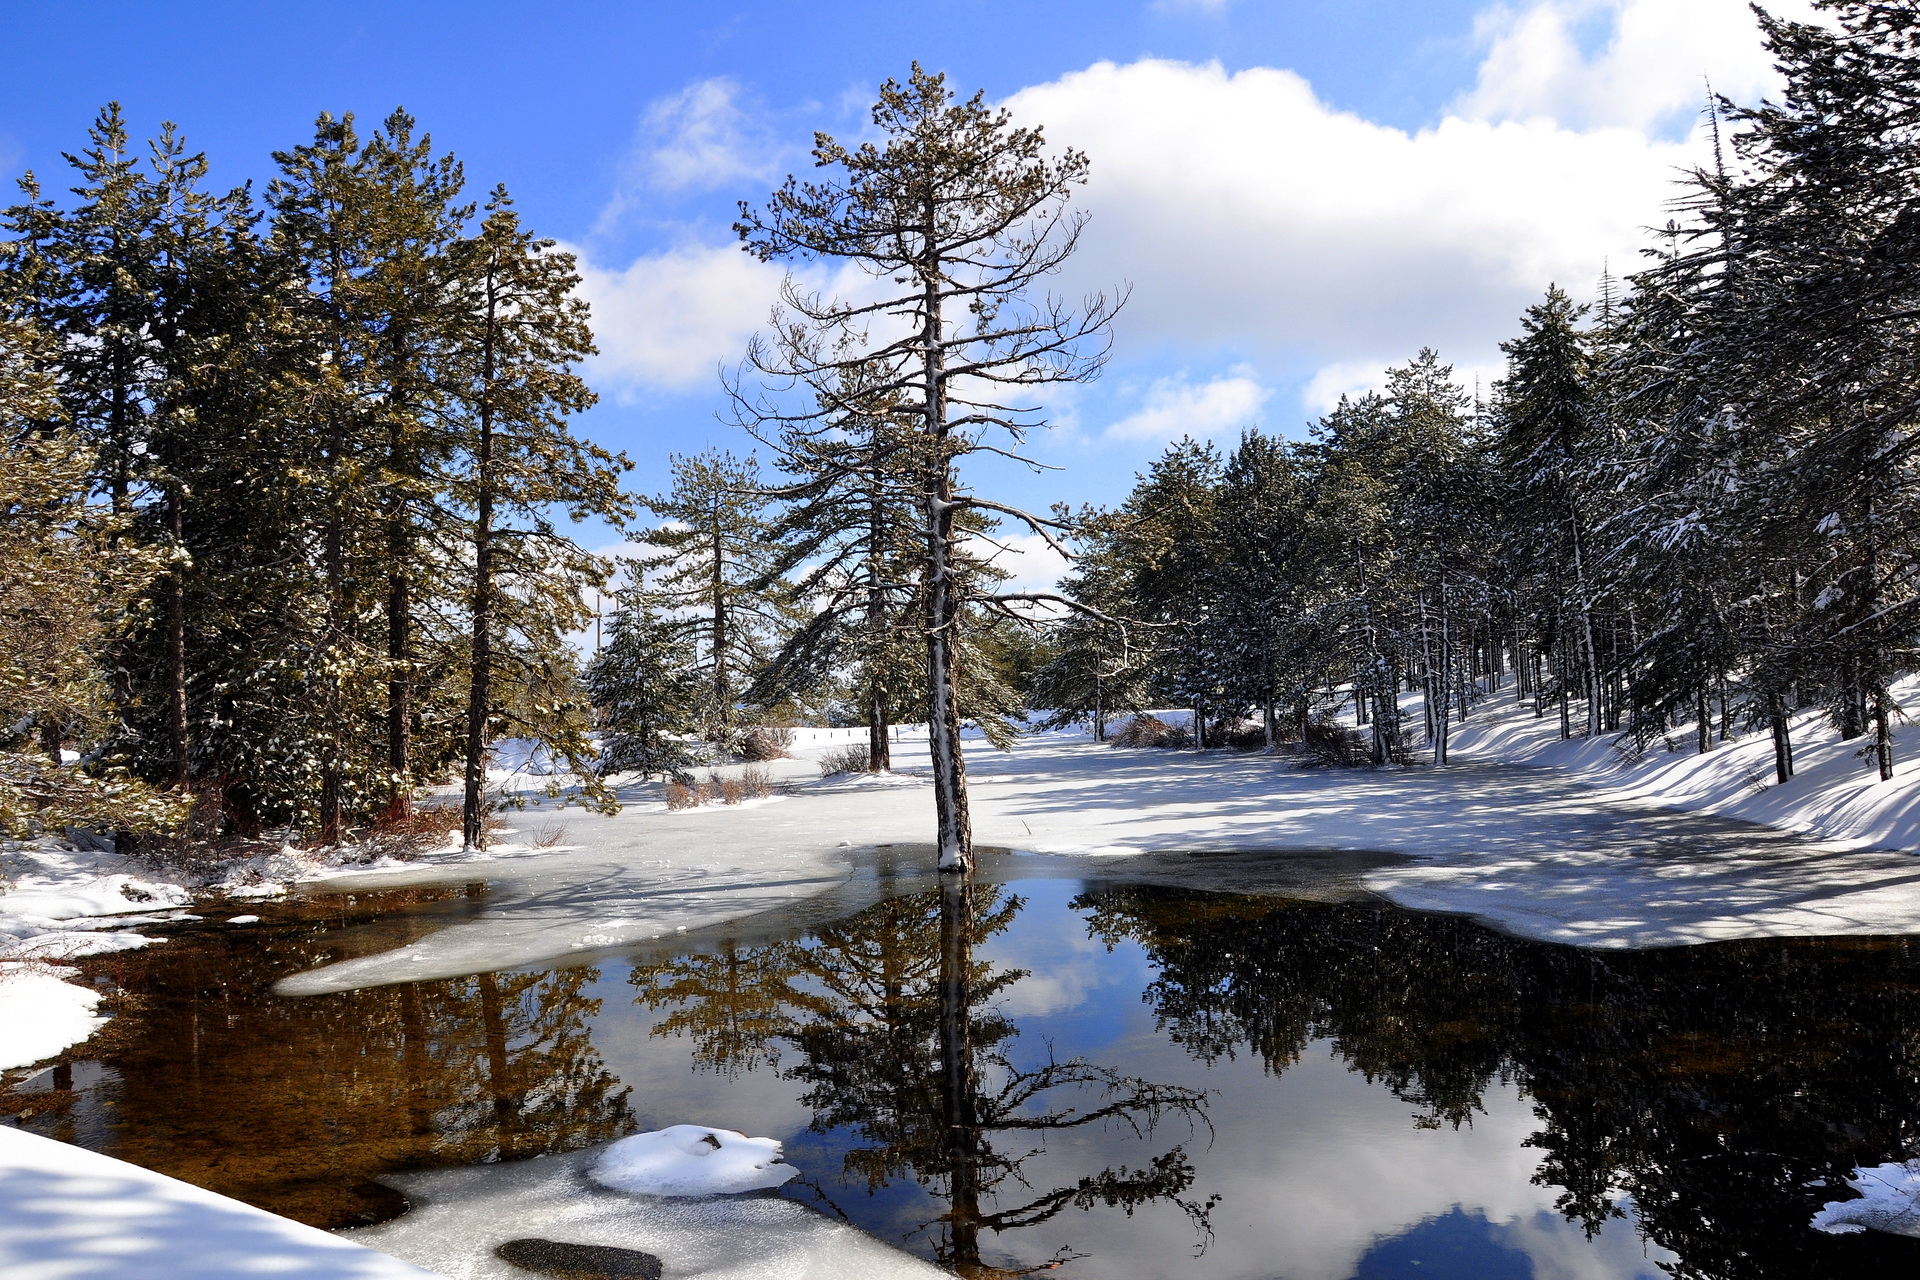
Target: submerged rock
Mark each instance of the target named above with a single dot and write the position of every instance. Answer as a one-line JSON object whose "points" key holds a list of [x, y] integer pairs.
{"points": [[579, 1261]]}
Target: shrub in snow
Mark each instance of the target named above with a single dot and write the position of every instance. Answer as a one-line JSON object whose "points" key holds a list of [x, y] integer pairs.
{"points": [[1889, 1201], [691, 1160], [849, 759], [1150, 731], [766, 743]]}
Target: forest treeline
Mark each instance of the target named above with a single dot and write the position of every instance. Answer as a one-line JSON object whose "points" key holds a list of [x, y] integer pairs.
{"points": [[1690, 504], [284, 482], [287, 479]]}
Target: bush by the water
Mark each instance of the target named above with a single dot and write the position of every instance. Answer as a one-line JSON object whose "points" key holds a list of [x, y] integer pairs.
{"points": [[852, 758], [1151, 731]]}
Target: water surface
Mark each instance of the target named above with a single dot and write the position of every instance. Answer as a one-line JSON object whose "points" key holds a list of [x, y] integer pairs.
{"points": [[1129, 1080]]}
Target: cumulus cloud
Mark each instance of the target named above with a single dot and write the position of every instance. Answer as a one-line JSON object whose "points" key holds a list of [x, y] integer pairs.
{"points": [[1174, 407], [670, 320], [1246, 211], [1653, 66]]}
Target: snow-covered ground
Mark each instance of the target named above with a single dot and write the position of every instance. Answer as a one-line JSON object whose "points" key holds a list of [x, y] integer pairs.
{"points": [[1834, 794], [68, 1213]]}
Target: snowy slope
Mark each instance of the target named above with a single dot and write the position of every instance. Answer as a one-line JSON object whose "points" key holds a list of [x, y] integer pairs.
{"points": [[1834, 794]]}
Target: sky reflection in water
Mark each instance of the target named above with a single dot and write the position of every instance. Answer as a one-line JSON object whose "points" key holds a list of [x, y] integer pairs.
{"points": [[1276, 1087]]}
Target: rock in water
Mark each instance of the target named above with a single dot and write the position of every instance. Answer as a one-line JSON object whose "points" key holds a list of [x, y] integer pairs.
{"points": [[579, 1261]]}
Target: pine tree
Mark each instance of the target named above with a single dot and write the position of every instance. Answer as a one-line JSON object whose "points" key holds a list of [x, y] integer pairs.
{"points": [[715, 567], [966, 214], [66, 589], [524, 332], [642, 689]]}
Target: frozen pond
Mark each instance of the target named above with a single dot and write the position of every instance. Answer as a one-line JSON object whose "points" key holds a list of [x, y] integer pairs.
{"points": [[1155, 1081]]}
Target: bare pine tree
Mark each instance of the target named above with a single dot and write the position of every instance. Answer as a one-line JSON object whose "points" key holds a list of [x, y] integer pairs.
{"points": [[956, 216]]}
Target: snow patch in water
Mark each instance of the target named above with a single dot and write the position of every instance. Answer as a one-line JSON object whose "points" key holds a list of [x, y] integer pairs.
{"points": [[692, 1160], [41, 1013], [1889, 1201], [461, 1215]]}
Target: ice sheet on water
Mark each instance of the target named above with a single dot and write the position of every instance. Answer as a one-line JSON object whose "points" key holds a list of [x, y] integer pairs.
{"points": [[692, 1160], [461, 1215], [1889, 1201]]}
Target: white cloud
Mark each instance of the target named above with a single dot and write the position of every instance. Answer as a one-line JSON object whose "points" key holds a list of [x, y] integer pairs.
{"points": [[701, 138], [1654, 66], [1246, 211], [1175, 407], [1033, 564], [670, 320], [696, 140], [1349, 378]]}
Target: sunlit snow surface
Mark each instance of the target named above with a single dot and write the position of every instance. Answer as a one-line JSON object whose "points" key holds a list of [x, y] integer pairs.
{"points": [[691, 1160], [71, 1213], [461, 1215], [1525, 849], [1889, 1201]]}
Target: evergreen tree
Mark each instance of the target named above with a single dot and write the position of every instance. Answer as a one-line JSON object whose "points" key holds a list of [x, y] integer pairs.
{"points": [[642, 689], [524, 332], [965, 213], [715, 568]]}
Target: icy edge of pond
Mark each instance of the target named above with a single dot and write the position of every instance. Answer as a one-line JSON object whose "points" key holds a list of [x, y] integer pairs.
{"points": [[460, 1216], [1889, 1201], [65, 1211]]}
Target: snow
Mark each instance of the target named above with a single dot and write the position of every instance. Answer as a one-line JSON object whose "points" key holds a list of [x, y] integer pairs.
{"points": [[1531, 850], [40, 1013], [1834, 793], [691, 1160], [1889, 1201], [243, 919], [66, 1213], [461, 1215]]}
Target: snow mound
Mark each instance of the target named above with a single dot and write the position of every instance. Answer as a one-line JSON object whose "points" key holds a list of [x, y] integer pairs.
{"points": [[460, 1216], [1889, 1201], [691, 1160], [108, 895], [41, 1013]]}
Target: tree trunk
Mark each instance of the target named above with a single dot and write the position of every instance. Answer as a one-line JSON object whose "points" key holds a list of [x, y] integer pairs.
{"points": [[958, 1086], [177, 647], [480, 685], [399, 692], [954, 827], [1782, 740], [879, 752]]}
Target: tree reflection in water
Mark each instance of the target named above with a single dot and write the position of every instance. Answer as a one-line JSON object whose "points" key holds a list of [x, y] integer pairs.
{"points": [[296, 1104], [1724, 1089], [892, 1023]]}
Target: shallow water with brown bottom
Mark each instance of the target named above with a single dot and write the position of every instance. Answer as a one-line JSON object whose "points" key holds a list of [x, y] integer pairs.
{"points": [[1125, 1080]]}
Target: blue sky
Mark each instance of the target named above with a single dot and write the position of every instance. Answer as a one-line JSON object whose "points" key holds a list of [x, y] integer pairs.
{"points": [[1298, 192]]}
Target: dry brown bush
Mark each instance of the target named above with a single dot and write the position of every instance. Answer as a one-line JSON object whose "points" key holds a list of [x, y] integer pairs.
{"points": [[419, 830], [686, 793], [855, 758], [766, 742], [1150, 731]]}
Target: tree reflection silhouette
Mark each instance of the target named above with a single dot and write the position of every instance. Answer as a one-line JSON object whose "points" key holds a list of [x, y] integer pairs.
{"points": [[1724, 1089], [897, 1034], [295, 1104]]}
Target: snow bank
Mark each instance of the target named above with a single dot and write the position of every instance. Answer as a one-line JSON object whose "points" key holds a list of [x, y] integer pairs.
{"points": [[67, 1212], [1834, 794], [691, 1160], [460, 1216], [1889, 1201], [40, 1014]]}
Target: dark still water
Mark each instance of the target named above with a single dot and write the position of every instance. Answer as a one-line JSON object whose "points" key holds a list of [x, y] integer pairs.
{"points": [[1135, 1082]]}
